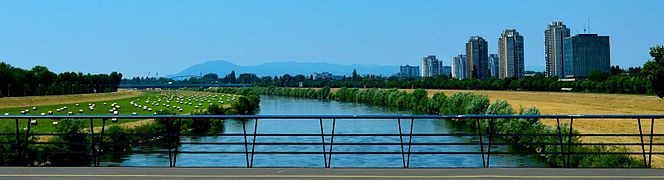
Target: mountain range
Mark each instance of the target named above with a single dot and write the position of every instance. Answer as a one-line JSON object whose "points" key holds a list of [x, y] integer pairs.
{"points": [[222, 68]]}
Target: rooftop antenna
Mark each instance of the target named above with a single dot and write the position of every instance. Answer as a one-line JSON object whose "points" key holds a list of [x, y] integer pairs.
{"points": [[588, 25]]}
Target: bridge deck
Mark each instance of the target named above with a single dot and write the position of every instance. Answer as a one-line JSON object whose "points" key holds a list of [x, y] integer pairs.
{"points": [[126, 173]]}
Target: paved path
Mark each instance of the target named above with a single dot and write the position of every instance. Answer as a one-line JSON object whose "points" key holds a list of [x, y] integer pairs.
{"points": [[127, 173]]}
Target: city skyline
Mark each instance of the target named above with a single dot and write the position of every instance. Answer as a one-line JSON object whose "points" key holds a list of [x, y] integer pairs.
{"points": [[132, 37]]}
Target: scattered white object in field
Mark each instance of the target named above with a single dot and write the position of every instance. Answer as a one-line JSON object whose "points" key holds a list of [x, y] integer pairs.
{"points": [[54, 123]]}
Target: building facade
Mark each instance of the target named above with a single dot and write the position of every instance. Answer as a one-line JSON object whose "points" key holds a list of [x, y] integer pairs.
{"points": [[408, 71], [446, 71], [477, 58], [554, 35], [494, 64], [510, 49], [585, 53], [459, 67], [431, 66]]}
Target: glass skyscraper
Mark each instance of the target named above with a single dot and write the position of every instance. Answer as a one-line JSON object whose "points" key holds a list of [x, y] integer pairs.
{"points": [[585, 53], [510, 49], [477, 58]]}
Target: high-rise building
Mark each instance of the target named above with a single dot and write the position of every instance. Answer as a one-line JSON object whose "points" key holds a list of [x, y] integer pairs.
{"points": [[408, 71], [554, 35], [446, 71], [477, 58], [510, 49], [494, 64], [459, 67], [585, 53], [431, 66]]}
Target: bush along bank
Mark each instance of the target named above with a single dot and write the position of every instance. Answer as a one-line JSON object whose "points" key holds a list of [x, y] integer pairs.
{"points": [[468, 103], [73, 147]]}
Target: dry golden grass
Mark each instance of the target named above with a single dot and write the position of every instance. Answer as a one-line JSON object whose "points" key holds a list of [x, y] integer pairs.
{"points": [[589, 103], [14, 102]]}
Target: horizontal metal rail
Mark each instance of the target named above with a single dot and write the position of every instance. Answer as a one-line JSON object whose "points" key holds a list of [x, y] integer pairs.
{"points": [[483, 137]]}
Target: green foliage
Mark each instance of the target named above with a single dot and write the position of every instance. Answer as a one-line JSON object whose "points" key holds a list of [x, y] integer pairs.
{"points": [[654, 70], [40, 81]]}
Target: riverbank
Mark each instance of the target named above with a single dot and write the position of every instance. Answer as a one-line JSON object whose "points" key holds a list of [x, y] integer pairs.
{"points": [[469, 103]]}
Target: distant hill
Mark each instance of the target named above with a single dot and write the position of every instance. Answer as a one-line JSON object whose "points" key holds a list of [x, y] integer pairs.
{"points": [[222, 68]]}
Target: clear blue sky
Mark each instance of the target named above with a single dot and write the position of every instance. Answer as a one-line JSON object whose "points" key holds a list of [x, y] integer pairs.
{"points": [[136, 37]]}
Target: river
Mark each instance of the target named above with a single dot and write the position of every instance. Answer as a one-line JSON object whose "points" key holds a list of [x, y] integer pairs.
{"points": [[287, 105]]}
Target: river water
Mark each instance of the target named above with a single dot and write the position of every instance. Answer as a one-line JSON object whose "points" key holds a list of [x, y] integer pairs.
{"points": [[287, 105]]}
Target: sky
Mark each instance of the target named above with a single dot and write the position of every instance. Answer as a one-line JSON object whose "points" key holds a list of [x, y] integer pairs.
{"points": [[165, 37]]}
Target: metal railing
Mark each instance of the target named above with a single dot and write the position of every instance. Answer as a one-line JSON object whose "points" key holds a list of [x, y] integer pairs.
{"points": [[486, 138]]}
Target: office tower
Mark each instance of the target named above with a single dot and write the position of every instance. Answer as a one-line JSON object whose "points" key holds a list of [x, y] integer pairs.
{"points": [[585, 53], [554, 35], [408, 71], [477, 58], [431, 66], [510, 49], [459, 67], [493, 65]]}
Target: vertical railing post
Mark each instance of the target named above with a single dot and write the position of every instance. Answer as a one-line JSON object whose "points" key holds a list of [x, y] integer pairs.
{"points": [[562, 149], [569, 141], [27, 142], [403, 153], [479, 134], [169, 132], [410, 141], [253, 144], [246, 147], [329, 159], [177, 142], [18, 143], [322, 138], [92, 143], [643, 147], [101, 141], [652, 130], [492, 130]]}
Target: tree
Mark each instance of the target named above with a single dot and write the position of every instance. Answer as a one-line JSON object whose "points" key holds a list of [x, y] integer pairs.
{"points": [[355, 75], [211, 76], [654, 70]]}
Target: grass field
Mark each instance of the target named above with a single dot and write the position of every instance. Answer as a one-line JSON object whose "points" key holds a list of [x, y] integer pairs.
{"points": [[125, 103]]}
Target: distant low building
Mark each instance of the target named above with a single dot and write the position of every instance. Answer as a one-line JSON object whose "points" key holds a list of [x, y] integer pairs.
{"points": [[408, 71], [446, 71], [324, 76]]}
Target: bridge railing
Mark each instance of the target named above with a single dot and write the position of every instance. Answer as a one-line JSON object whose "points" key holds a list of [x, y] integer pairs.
{"points": [[23, 136]]}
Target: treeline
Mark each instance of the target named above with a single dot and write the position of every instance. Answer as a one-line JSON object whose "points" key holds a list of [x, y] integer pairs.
{"points": [[468, 103], [40, 81]]}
